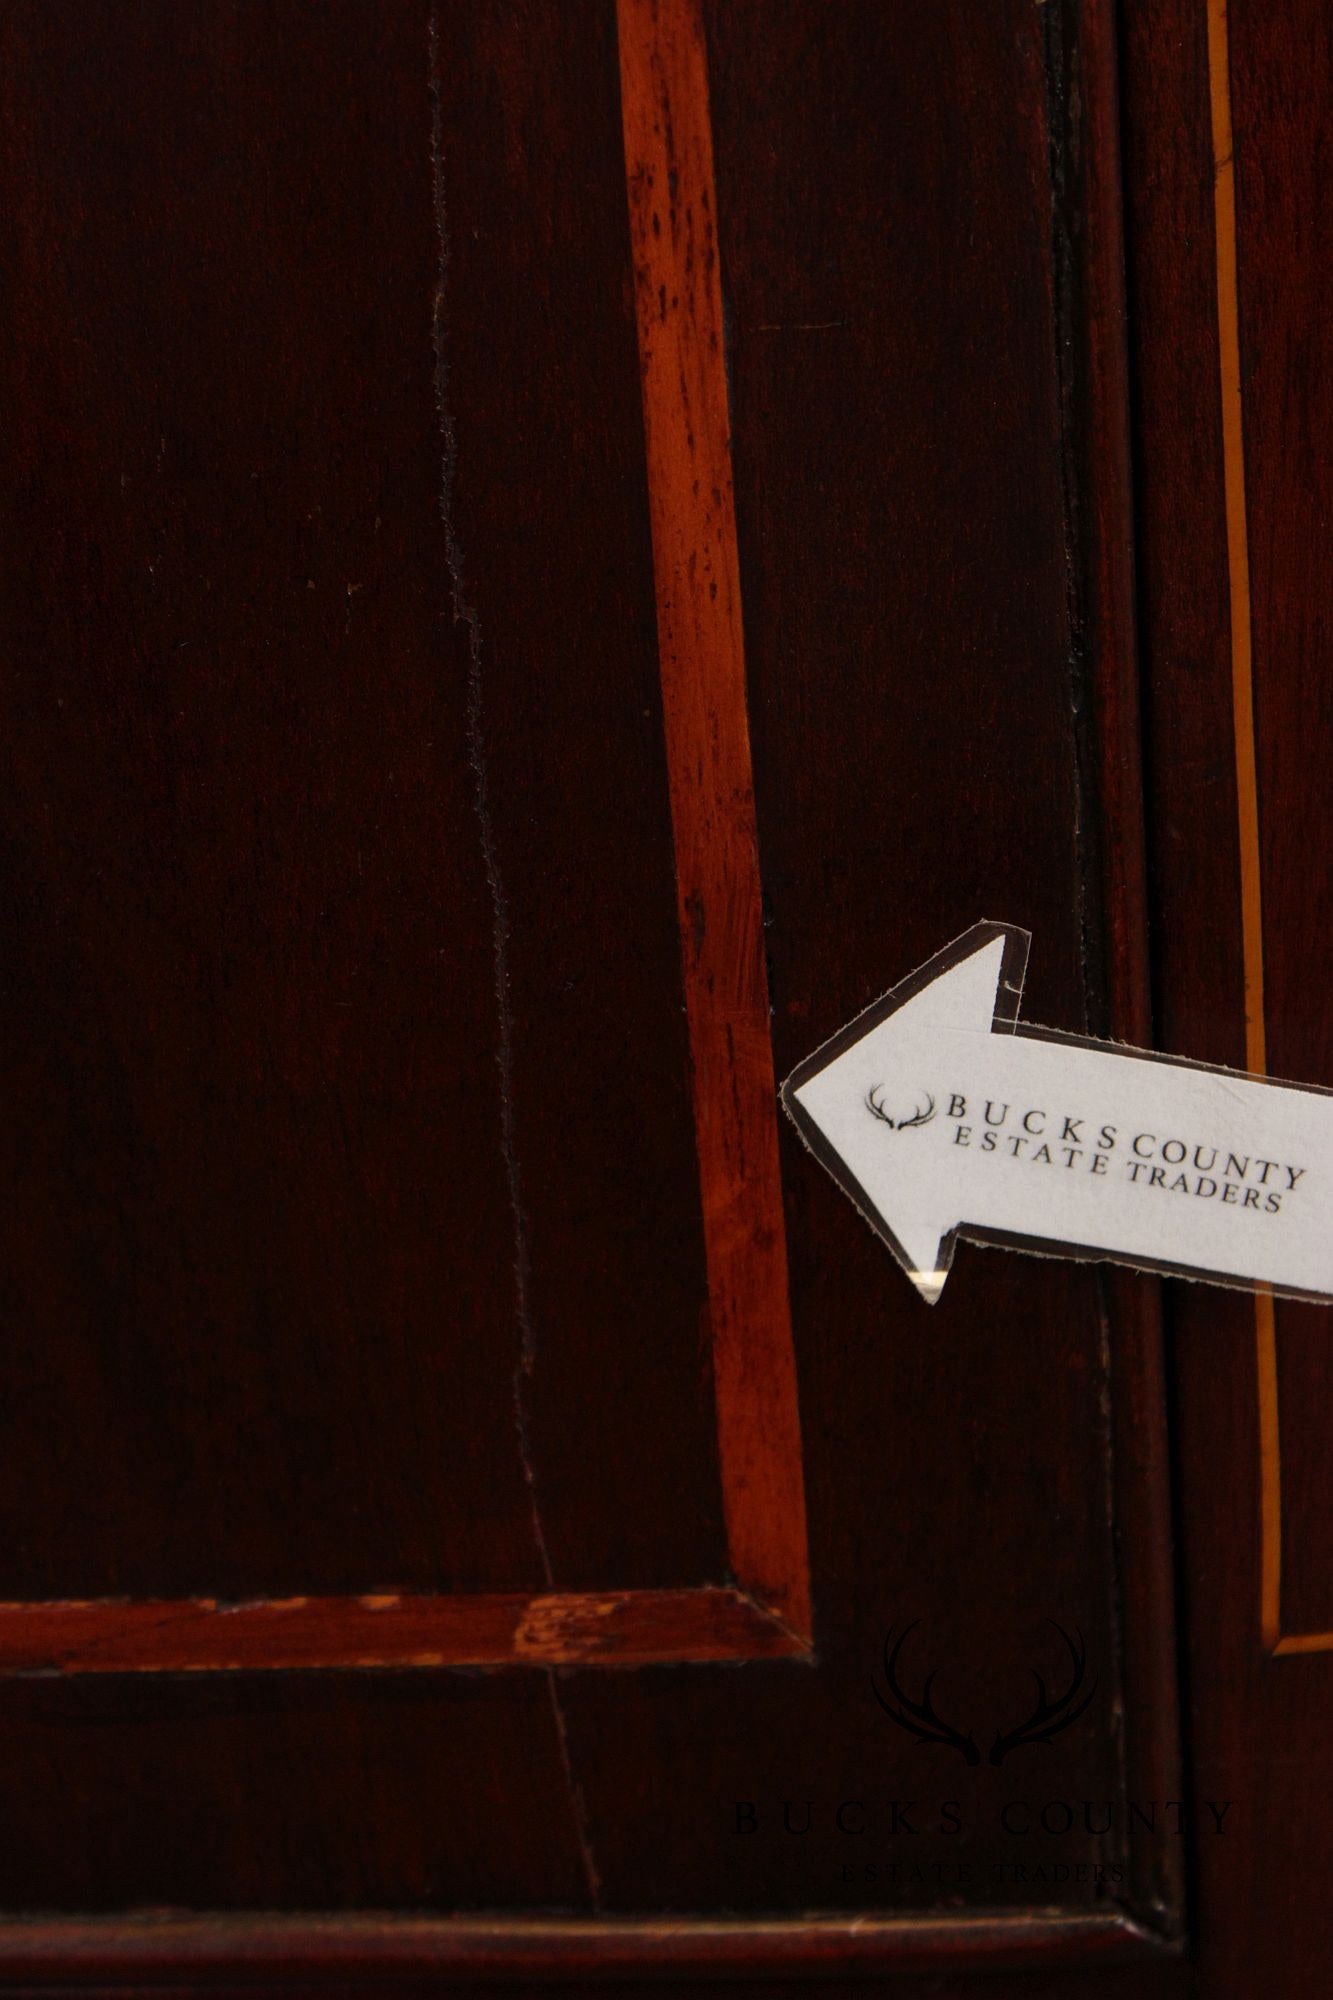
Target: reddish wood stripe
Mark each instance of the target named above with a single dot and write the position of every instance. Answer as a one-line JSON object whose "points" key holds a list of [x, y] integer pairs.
{"points": [[347, 1952], [669, 168], [613, 1628], [672, 209]]}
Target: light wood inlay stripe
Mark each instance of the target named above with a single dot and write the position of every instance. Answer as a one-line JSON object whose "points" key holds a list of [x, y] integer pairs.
{"points": [[1247, 802], [672, 213], [1238, 547]]}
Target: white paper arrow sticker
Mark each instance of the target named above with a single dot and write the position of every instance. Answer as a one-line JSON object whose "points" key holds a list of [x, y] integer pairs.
{"points": [[940, 1118]]}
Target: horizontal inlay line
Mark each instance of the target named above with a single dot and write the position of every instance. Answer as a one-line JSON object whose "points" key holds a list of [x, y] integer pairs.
{"points": [[385, 1630]]}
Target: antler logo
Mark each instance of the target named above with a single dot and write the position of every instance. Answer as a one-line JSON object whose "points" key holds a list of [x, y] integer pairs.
{"points": [[874, 1102], [918, 1718], [1050, 1713]]}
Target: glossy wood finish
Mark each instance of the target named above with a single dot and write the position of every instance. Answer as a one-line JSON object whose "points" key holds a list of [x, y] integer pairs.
{"points": [[1234, 413], [1091, 252], [926, 432], [664, 90], [701, 655], [222, 1151], [282, 857], [609, 1628], [909, 775], [545, 497], [1282, 95], [334, 1956]]}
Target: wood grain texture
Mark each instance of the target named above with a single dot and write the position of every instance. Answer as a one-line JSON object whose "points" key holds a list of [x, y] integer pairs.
{"points": [[1258, 1724], [612, 1628], [1282, 98], [899, 443], [1100, 513], [340, 1956], [285, 1792], [547, 506], [551, 1276], [896, 297], [251, 1139], [701, 650], [1245, 751]]}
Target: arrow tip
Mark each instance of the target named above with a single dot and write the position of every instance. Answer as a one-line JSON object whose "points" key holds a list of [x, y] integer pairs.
{"points": [[930, 1283], [862, 1101]]}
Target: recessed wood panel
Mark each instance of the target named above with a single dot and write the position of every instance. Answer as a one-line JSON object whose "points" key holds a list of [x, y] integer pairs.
{"points": [[353, 1233], [329, 1792], [910, 639], [548, 507], [250, 1012]]}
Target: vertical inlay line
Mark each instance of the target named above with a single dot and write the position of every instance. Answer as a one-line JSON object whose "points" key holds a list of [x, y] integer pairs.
{"points": [[1247, 796], [1247, 781], [678, 292], [1270, 1474], [1238, 547]]}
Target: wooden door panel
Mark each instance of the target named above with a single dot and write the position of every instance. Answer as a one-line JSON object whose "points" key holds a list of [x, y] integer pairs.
{"points": [[365, 1046], [1229, 111], [1279, 69], [245, 834], [553, 580], [325, 1792], [225, 926], [884, 587], [430, 350]]}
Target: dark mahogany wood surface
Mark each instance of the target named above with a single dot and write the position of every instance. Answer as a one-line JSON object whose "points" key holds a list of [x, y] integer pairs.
{"points": [[899, 445], [548, 519], [252, 911], [672, 196], [1282, 99], [1254, 1551], [340, 1955], [242, 864], [354, 1228]]}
